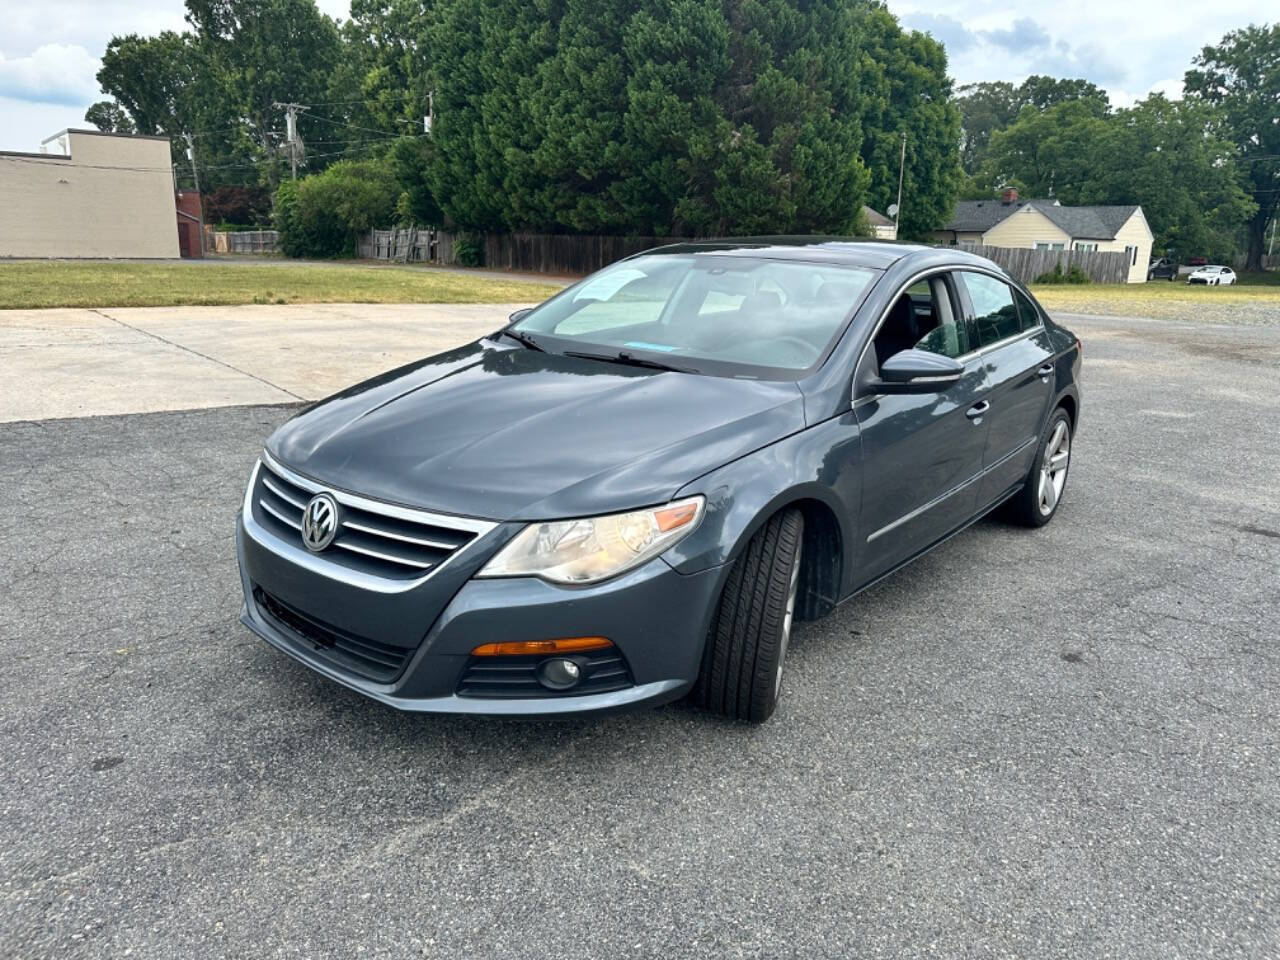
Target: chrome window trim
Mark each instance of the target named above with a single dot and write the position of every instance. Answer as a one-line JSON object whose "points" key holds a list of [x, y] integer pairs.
{"points": [[964, 358], [318, 564]]}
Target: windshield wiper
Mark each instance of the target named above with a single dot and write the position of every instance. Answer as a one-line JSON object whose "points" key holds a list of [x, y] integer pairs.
{"points": [[630, 360], [522, 338]]}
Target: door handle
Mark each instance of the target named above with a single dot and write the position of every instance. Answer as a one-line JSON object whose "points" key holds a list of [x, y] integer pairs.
{"points": [[977, 410], [1046, 371]]}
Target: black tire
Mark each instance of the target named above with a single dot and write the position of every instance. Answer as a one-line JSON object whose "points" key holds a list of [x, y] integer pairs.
{"points": [[1027, 505], [742, 660]]}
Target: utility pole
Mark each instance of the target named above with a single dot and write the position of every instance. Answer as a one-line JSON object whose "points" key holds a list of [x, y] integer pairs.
{"points": [[195, 176], [429, 120], [291, 132], [902, 166]]}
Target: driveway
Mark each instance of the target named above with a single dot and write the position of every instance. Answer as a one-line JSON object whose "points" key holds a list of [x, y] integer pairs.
{"points": [[1060, 743], [69, 363]]}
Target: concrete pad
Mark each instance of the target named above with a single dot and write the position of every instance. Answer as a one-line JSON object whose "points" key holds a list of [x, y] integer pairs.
{"points": [[312, 350], [74, 363]]}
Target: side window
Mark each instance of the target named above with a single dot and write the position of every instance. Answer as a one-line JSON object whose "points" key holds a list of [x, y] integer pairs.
{"points": [[994, 312], [1027, 311], [922, 318]]}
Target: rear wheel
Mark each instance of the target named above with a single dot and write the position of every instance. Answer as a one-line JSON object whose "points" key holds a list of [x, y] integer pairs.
{"points": [[1036, 503], [741, 675]]}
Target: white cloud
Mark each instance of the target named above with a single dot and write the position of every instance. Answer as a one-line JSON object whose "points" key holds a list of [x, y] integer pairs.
{"points": [[1128, 49], [53, 73], [1171, 88], [51, 50], [27, 123]]}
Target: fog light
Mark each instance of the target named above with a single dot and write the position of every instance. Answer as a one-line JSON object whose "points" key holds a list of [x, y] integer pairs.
{"points": [[559, 674]]}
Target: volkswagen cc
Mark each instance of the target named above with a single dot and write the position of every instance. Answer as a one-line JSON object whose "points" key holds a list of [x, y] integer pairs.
{"points": [[631, 492]]}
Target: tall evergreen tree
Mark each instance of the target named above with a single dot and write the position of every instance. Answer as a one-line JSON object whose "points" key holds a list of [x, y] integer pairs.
{"points": [[905, 89]]}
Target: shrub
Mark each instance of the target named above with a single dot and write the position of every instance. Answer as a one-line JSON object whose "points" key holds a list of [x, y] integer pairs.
{"points": [[238, 204], [468, 249], [321, 215], [1056, 276]]}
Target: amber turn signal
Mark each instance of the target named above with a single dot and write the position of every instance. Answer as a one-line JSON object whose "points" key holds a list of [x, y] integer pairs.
{"points": [[669, 518], [522, 648]]}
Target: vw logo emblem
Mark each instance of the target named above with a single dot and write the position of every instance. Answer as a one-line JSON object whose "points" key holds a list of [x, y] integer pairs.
{"points": [[319, 522]]}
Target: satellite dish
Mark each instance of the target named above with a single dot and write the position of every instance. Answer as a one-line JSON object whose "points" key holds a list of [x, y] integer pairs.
{"points": [[893, 210]]}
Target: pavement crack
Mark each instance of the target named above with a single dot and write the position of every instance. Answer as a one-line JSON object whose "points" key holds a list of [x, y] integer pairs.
{"points": [[196, 353]]}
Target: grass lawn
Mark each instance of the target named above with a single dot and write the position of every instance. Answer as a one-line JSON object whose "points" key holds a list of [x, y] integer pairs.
{"points": [[1255, 300], [70, 283]]}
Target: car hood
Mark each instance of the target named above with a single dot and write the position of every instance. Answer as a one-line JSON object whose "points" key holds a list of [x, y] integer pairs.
{"points": [[514, 434]]}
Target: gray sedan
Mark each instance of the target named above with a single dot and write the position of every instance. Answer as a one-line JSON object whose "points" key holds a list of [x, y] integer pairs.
{"points": [[631, 492]]}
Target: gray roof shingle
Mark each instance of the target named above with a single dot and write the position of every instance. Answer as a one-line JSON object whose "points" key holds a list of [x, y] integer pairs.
{"points": [[1080, 223]]}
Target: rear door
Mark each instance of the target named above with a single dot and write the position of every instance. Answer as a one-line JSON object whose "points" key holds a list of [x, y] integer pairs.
{"points": [[1017, 355], [921, 453]]}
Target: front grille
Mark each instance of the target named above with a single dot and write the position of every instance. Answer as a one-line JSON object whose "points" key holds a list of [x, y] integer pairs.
{"points": [[382, 540], [512, 677], [359, 655]]}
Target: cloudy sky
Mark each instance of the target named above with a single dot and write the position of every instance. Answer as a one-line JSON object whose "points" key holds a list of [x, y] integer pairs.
{"points": [[49, 49]]}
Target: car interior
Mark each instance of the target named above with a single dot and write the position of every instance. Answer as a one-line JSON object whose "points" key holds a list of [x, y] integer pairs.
{"points": [[757, 313], [923, 317]]}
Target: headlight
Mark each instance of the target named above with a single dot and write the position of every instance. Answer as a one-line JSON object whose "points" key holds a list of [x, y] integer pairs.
{"points": [[585, 551]]}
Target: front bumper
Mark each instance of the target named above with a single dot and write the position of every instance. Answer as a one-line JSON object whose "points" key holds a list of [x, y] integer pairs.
{"points": [[656, 617]]}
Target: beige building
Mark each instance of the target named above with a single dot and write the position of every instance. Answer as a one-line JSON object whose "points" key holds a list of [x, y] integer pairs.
{"points": [[882, 228], [89, 194], [1047, 225]]}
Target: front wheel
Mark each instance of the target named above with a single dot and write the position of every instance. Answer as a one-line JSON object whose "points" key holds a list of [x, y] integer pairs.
{"points": [[1036, 503], [742, 662]]}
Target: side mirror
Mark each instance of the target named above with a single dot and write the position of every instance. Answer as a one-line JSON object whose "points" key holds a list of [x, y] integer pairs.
{"points": [[520, 314], [917, 371]]}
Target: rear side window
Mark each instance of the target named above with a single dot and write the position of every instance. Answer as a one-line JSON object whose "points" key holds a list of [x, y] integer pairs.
{"points": [[1027, 311], [994, 312]]}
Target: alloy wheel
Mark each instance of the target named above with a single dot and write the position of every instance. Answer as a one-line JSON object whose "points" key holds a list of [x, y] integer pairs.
{"points": [[1053, 468], [787, 619]]}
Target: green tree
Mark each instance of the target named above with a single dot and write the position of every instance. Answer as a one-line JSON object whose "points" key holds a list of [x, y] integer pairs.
{"points": [[323, 214], [218, 83], [905, 90], [1155, 154], [109, 117], [986, 108], [257, 53], [153, 78], [664, 116], [1240, 79]]}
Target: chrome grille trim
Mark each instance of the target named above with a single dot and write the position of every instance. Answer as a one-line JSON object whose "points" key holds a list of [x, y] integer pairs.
{"points": [[287, 498], [416, 541], [365, 551], [399, 567], [448, 521], [277, 514]]}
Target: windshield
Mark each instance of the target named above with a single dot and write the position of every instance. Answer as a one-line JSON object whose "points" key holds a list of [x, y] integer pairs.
{"points": [[715, 314]]}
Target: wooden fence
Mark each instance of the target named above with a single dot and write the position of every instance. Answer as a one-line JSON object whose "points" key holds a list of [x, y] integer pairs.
{"points": [[408, 244], [577, 255], [570, 255], [243, 241], [1025, 264]]}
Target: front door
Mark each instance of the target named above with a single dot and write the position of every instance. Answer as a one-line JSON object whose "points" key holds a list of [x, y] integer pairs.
{"points": [[921, 453], [1018, 356]]}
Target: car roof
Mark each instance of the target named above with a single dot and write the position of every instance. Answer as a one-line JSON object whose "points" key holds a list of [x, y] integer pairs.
{"points": [[876, 254]]}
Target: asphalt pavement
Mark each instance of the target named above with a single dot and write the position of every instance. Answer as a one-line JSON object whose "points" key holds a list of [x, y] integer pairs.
{"points": [[1059, 743]]}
